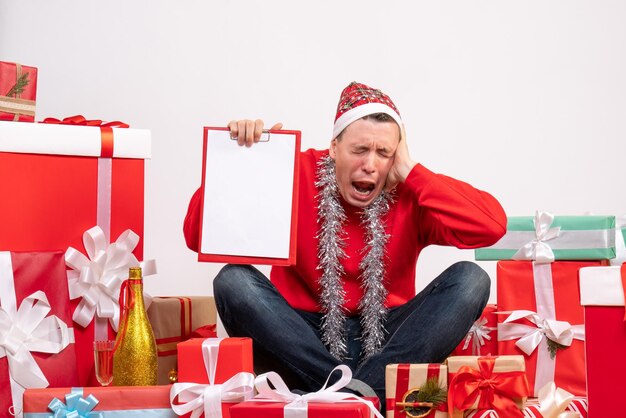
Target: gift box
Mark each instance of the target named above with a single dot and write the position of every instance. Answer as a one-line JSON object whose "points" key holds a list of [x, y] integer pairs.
{"points": [[173, 319], [63, 180], [221, 366], [36, 345], [275, 400], [18, 92], [228, 355], [546, 238], [488, 382], [553, 402], [481, 340], [254, 409], [602, 292], [108, 402], [546, 325], [402, 383]]}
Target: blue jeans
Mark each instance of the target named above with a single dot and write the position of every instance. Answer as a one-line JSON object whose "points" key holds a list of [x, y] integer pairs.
{"points": [[424, 330]]}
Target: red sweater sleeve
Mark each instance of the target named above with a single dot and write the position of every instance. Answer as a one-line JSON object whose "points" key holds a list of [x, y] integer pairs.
{"points": [[191, 227], [452, 212]]}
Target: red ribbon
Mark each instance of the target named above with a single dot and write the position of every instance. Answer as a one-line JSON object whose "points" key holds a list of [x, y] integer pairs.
{"points": [[106, 130], [127, 301], [492, 390]]}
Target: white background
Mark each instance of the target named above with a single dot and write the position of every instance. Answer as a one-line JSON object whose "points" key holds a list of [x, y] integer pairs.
{"points": [[525, 99]]}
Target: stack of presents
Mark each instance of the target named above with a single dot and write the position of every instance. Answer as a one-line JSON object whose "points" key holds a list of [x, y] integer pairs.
{"points": [[71, 225]]}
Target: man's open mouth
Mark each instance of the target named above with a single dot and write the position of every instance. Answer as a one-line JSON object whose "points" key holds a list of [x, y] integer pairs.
{"points": [[363, 187]]}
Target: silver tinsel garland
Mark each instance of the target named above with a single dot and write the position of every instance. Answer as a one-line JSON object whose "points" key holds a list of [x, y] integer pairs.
{"points": [[331, 217]]}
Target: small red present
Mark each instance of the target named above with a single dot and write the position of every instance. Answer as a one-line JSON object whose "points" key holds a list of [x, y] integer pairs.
{"points": [[276, 401], [213, 375], [65, 179], [103, 402], [546, 321], [603, 292], [18, 92], [497, 383], [223, 357], [173, 320], [36, 349], [481, 339], [402, 383]]}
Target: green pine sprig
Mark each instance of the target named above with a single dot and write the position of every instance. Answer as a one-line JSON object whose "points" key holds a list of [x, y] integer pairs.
{"points": [[553, 347], [19, 86], [430, 391]]}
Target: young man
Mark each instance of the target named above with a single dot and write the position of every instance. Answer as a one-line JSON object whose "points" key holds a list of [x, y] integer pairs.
{"points": [[366, 211]]}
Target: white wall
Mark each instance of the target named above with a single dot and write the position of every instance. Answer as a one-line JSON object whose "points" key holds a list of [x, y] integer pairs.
{"points": [[525, 99]]}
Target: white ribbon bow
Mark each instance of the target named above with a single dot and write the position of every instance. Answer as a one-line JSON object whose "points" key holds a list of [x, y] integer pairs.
{"points": [[202, 398], [478, 333], [208, 399], [538, 249], [553, 401], [31, 330], [98, 277], [297, 405], [529, 337]]}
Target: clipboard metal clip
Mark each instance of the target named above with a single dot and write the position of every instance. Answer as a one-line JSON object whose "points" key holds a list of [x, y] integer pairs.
{"points": [[265, 131]]}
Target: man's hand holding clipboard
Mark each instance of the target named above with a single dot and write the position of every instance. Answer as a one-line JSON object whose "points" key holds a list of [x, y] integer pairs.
{"points": [[250, 194]]}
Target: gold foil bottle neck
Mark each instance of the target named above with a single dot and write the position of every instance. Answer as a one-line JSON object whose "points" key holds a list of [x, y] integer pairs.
{"points": [[134, 273]]}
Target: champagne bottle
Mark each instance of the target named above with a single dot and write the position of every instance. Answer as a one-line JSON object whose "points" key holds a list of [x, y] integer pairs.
{"points": [[135, 357]]}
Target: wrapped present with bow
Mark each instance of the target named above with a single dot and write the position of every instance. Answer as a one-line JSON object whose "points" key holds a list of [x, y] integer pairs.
{"points": [[497, 383], [602, 293], [65, 177], [275, 400], [98, 402], [173, 320], [416, 390], [213, 375], [553, 402], [36, 339], [18, 92], [542, 319], [481, 339], [545, 238]]}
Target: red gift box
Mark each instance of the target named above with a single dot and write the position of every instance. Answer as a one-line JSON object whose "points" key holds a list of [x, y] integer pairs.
{"points": [[234, 355], [213, 361], [402, 379], [36, 281], [254, 409], [136, 400], [275, 400], [481, 339], [18, 92], [545, 301], [60, 188], [603, 292]]}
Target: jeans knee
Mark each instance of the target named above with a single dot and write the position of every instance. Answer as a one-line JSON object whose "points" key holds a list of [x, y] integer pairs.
{"points": [[474, 280], [230, 280]]}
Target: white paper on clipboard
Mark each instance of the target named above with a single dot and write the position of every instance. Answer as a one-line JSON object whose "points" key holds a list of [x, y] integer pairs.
{"points": [[248, 196]]}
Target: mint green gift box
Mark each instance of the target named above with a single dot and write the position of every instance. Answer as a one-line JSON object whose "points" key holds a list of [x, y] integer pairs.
{"points": [[579, 238]]}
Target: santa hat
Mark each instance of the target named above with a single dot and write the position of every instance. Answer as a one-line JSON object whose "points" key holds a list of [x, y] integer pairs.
{"points": [[357, 101]]}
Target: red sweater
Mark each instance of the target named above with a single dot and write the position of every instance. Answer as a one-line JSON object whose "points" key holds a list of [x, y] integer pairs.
{"points": [[428, 209]]}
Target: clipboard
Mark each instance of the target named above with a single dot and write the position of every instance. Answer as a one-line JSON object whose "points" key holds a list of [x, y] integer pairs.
{"points": [[249, 204]]}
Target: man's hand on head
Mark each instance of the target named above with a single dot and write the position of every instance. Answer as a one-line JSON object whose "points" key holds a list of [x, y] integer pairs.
{"points": [[248, 132], [402, 163]]}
